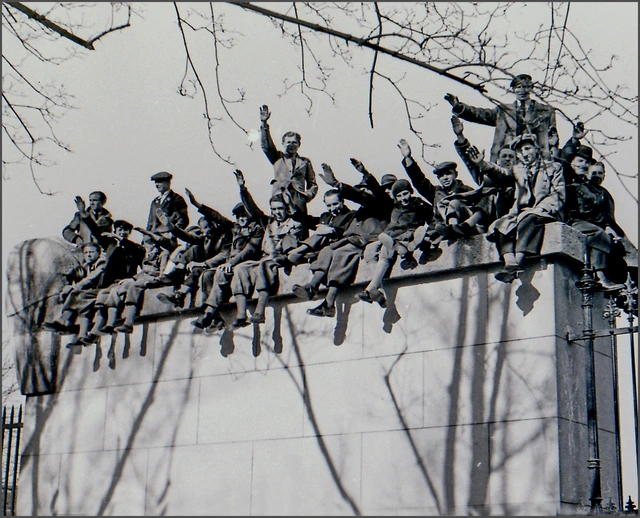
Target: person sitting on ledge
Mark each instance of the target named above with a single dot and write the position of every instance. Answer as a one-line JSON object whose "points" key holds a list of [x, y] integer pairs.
{"points": [[452, 218], [281, 235], [337, 264], [124, 298], [81, 279], [215, 283], [409, 213], [590, 210], [207, 249], [540, 197], [77, 231]]}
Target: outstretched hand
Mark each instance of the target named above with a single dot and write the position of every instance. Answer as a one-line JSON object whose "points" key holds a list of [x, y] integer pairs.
{"points": [[475, 155], [358, 165], [192, 198], [239, 177], [264, 113], [457, 126], [452, 100], [404, 147], [579, 130], [327, 175], [80, 205]]}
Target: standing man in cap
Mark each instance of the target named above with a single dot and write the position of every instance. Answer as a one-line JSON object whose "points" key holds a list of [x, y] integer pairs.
{"points": [[525, 115], [293, 174], [170, 202], [540, 196]]}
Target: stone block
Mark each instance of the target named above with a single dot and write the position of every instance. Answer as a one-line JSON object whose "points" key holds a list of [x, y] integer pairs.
{"points": [[203, 480]]}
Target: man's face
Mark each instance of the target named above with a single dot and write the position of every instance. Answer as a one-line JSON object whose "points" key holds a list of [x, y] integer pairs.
{"points": [[291, 145], [506, 158], [527, 153], [334, 204], [243, 221], [162, 186], [150, 249], [523, 90], [580, 165], [447, 178], [595, 174], [123, 233], [278, 211], [95, 202], [205, 226], [90, 254], [403, 197]]}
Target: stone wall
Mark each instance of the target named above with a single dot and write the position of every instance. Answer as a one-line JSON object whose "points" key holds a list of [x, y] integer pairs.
{"points": [[463, 396]]}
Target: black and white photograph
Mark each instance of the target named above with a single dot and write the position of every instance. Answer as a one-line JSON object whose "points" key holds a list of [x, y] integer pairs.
{"points": [[319, 259]]}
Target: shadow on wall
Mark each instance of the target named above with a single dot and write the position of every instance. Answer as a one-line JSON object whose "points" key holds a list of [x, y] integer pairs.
{"points": [[481, 366]]}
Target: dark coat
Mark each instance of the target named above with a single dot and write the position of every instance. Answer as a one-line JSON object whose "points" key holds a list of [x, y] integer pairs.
{"points": [[174, 207]]}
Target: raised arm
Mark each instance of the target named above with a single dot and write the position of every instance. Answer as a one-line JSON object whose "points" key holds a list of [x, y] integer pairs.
{"points": [[266, 142], [248, 201]]}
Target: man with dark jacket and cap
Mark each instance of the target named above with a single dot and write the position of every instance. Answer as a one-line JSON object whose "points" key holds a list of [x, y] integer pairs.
{"points": [[591, 211], [337, 264], [215, 283], [540, 197], [450, 212], [525, 115], [169, 202], [409, 213]]}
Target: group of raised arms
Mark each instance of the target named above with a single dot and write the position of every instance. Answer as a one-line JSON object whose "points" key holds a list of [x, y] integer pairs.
{"points": [[527, 181]]}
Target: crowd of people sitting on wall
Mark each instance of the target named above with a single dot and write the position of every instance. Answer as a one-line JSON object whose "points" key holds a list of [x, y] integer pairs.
{"points": [[527, 181]]}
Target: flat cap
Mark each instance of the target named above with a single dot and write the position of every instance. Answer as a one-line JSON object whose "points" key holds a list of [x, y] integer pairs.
{"points": [[121, 223], [388, 180], [521, 78], [521, 139], [161, 176], [443, 167], [240, 211]]}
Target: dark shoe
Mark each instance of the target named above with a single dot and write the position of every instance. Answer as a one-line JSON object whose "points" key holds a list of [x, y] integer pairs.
{"points": [[106, 330], [306, 292], [322, 310], [257, 318], [55, 327], [203, 321], [408, 262], [239, 323], [125, 328], [217, 324], [508, 274], [365, 296], [378, 296], [176, 300], [74, 343], [90, 339], [430, 254]]}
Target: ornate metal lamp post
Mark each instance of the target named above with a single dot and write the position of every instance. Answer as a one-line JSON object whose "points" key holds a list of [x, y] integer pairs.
{"points": [[587, 286]]}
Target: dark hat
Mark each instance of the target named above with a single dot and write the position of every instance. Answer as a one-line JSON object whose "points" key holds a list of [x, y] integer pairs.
{"points": [[388, 180], [401, 185], [521, 78], [521, 139], [240, 211], [161, 176], [121, 223], [443, 167], [582, 151]]}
